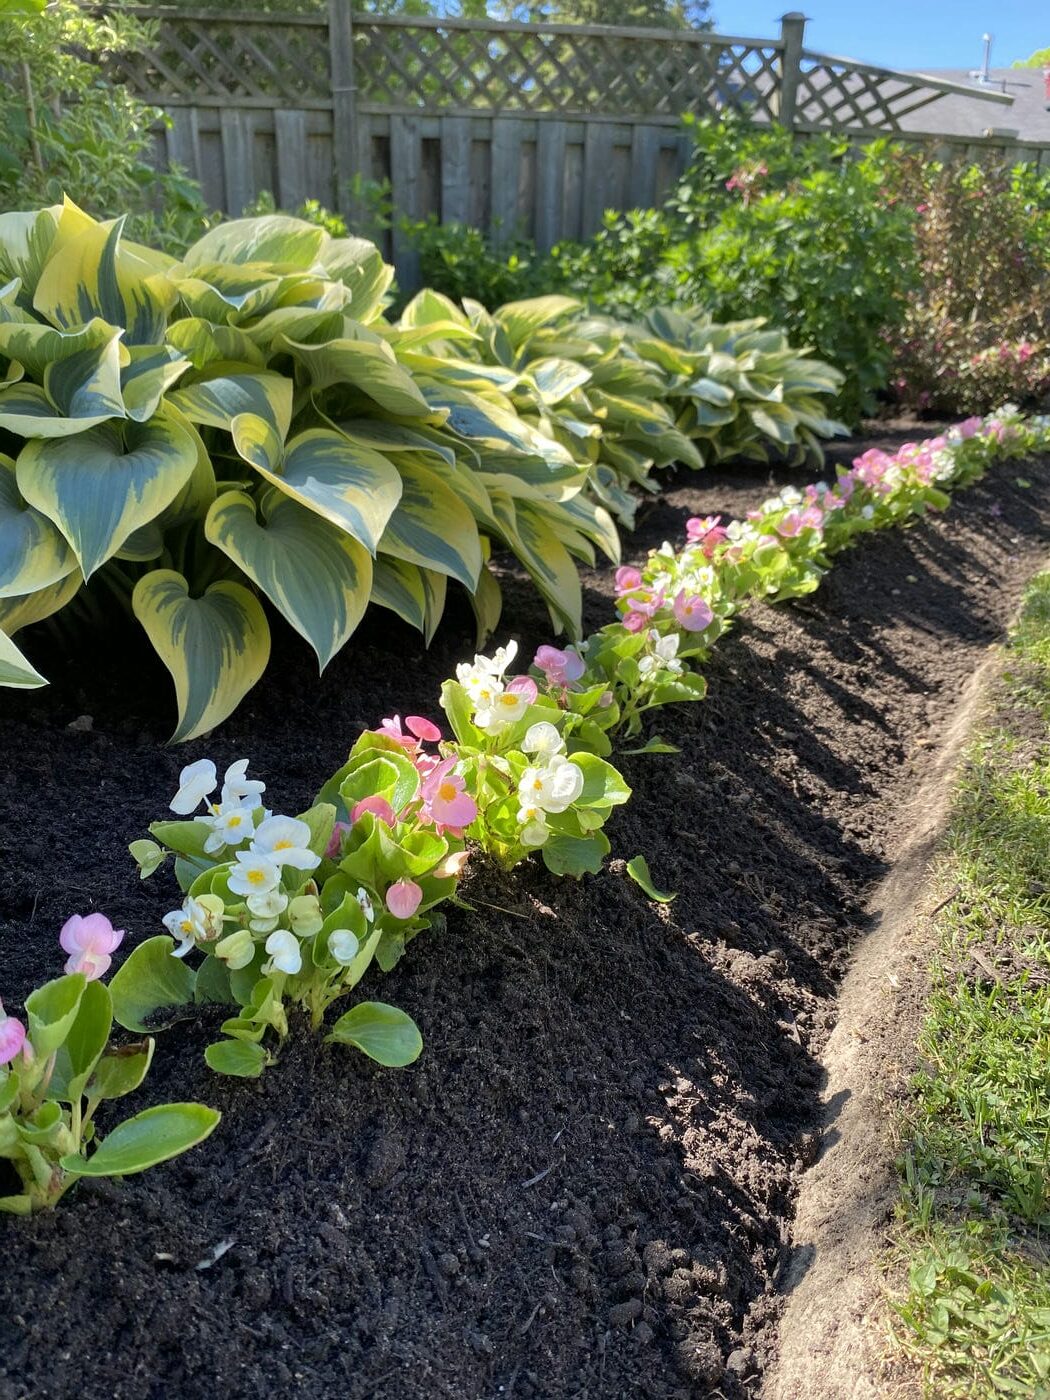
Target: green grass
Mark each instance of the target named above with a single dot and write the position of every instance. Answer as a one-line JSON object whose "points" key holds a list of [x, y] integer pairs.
{"points": [[975, 1197]]}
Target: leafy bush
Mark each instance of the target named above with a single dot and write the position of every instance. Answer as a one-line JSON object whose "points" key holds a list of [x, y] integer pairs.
{"points": [[62, 126], [242, 420], [465, 262], [761, 225], [246, 421], [977, 328]]}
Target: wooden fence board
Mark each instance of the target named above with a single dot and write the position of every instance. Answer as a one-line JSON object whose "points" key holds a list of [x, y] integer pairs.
{"points": [[503, 125]]}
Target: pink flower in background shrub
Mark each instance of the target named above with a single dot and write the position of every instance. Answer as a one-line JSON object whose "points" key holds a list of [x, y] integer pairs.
{"points": [[627, 578], [12, 1036], [404, 898], [90, 941], [968, 428], [560, 667], [692, 612], [378, 806], [445, 799]]}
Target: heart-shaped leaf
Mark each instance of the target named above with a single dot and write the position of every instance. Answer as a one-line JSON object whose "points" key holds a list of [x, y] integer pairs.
{"points": [[317, 576], [103, 484], [216, 646]]}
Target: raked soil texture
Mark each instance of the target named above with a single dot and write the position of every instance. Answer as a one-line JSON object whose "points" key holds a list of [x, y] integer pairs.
{"points": [[584, 1186]]}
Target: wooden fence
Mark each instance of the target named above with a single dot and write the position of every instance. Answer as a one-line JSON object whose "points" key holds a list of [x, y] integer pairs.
{"points": [[524, 128]]}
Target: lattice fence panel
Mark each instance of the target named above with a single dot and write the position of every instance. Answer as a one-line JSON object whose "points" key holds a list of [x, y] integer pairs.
{"points": [[193, 58], [532, 70], [836, 94]]}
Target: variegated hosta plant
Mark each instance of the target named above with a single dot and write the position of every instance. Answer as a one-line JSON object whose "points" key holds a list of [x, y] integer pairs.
{"points": [[244, 424], [622, 399]]}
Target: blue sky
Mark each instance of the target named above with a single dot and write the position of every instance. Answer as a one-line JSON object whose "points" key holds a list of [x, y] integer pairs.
{"points": [[902, 33]]}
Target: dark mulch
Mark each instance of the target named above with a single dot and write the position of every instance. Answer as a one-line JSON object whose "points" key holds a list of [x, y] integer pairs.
{"points": [[584, 1186]]}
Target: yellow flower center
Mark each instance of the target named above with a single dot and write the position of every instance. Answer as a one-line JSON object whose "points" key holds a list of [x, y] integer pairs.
{"points": [[186, 926], [447, 790], [283, 845], [257, 877]]}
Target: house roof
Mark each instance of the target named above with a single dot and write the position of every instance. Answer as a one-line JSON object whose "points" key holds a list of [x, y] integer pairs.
{"points": [[956, 115]]}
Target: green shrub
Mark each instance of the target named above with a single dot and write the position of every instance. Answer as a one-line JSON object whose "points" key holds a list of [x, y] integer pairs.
{"points": [[62, 126]]}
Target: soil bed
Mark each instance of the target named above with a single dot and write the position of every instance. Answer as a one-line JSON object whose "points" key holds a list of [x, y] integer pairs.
{"points": [[584, 1187]]}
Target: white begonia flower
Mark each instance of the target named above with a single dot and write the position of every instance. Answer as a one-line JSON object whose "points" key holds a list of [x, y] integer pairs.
{"points": [[506, 707], [236, 950], [486, 673], [253, 874], [196, 781], [791, 496], [534, 830], [666, 549], [344, 946], [286, 841], [198, 921], [736, 530], [867, 512], [238, 788], [266, 910], [304, 915], [230, 825], [542, 738], [284, 950], [366, 904], [552, 788]]}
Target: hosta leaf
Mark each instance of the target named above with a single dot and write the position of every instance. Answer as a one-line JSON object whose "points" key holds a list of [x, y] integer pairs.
{"points": [[291, 244], [547, 560], [33, 552], [435, 590], [350, 486], [25, 608], [520, 319], [487, 603], [216, 646], [370, 367], [90, 273], [317, 576], [557, 378], [25, 241], [399, 587], [216, 402], [151, 371], [359, 265], [15, 670], [101, 485], [150, 1137], [433, 528], [203, 342]]}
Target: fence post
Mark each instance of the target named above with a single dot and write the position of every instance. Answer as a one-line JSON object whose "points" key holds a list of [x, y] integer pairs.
{"points": [[344, 100], [792, 32]]}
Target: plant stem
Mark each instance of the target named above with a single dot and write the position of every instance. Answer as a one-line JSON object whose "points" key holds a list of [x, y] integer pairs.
{"points": [[34, 139]]}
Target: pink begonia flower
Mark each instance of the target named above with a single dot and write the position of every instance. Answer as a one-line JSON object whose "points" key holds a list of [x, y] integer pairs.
{"points": [[89, 941], [627, 578], [378, 806], [560, 667], [692, 611], [452, 867], [790, 526], [423, 729], [391, 728], [335, 841], [812, 518], [403, 899], [445, 799], [12, 1036], [523, 685], [636, 621]]}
